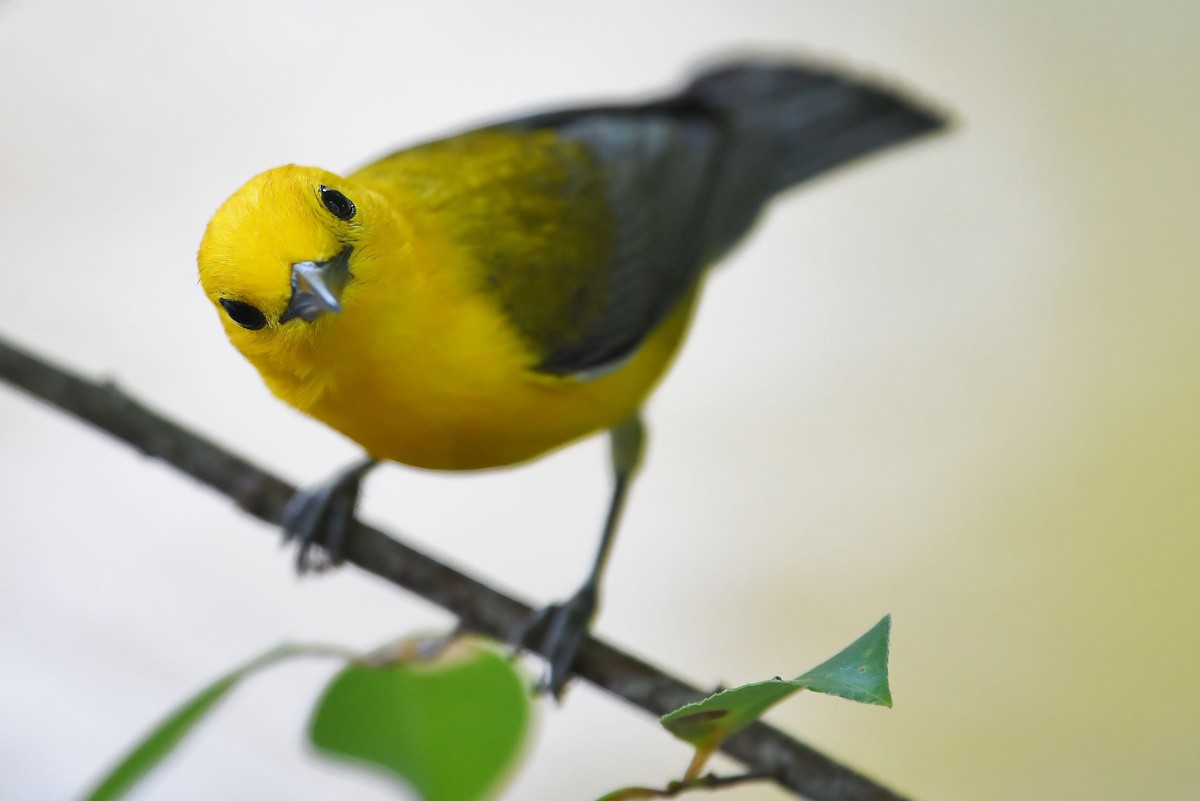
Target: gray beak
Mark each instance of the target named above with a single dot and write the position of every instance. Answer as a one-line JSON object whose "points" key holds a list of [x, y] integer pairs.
{"points": [[317, 287]]}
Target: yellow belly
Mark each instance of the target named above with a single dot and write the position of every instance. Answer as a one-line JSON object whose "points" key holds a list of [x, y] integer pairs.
{"points": [[465, 398]]}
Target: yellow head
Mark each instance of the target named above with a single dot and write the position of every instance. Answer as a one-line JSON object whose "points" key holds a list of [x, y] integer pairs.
{"points": [[279, 261]]}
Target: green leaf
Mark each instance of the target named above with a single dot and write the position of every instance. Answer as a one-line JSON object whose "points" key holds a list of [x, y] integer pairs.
{"points": [[708, 722], [858, 672], [168, 734], [452, 726]]}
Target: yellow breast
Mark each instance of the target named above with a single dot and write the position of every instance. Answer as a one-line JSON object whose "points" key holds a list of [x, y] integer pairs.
{"points": [[431, 374]]}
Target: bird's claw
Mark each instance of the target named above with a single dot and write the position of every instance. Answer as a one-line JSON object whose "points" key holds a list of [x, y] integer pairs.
{"points": [[319, 519], [563, 627]]}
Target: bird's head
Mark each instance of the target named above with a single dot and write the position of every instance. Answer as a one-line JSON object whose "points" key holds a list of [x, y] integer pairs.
{"points": [[278, 259]]}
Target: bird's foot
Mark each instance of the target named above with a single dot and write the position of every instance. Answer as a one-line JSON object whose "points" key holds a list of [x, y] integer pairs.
{"points": [[319, 519], [563, 627]]}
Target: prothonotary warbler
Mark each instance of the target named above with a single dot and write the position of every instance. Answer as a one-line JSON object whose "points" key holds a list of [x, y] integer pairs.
{"points": [[479, 300]]}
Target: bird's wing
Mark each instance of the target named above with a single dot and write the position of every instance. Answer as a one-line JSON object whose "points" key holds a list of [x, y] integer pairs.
{"points": [[686, 176], [583, 226], [656, 167]]}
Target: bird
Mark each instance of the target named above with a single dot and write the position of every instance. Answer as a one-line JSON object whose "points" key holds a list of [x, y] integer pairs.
{"points": [[479, 300]]}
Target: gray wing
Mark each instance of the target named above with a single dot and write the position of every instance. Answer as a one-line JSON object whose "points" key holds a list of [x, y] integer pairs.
{"points": [[659, 166], [686, 177]]}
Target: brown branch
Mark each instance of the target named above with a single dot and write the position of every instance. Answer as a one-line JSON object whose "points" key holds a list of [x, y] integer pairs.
{"points": [[709, 781], [763, 749]]}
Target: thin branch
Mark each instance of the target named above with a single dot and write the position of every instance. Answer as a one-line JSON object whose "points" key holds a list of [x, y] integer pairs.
{"points": [[709, 781], [763, 749]]}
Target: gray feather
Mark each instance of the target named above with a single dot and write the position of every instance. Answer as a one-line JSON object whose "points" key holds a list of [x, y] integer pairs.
{"points": [[687, 176]]}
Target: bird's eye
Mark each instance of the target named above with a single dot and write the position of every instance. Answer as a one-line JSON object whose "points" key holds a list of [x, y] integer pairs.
{"points": [[338, 204], [244, 314]]}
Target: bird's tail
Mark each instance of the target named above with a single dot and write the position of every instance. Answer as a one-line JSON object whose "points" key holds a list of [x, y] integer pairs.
{"points": [[798, 121], [787, 123]]}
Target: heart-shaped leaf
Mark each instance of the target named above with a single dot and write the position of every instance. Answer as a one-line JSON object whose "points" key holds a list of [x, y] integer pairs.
{"points": [[451, 725]]}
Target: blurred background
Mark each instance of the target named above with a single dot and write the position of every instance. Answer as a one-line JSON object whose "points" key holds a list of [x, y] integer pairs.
{"points": [[960, 384]]}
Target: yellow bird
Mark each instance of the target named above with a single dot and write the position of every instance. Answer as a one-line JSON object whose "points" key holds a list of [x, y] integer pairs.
{"points": [[479, 300]]}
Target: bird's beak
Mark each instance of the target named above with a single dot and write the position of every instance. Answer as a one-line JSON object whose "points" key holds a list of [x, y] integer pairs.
{"points": [[317, 287]]}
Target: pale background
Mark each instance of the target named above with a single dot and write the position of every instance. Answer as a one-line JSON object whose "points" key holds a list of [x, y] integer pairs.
{"points": [[960, 385]]}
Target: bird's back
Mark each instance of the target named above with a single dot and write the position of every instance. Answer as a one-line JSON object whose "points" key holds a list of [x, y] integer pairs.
{"points": [[590, 224]]}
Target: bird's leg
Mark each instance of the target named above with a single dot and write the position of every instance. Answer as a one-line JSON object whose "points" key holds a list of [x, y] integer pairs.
{"points": [[566, 623], [321, 517]]}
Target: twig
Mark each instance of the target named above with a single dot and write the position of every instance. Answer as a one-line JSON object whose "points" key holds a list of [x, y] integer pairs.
{"points": [[709, 781], [763, 749]]}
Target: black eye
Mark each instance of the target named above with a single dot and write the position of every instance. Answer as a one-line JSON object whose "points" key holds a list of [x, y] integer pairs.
{"points": [[338, 204], [244, 314]]}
